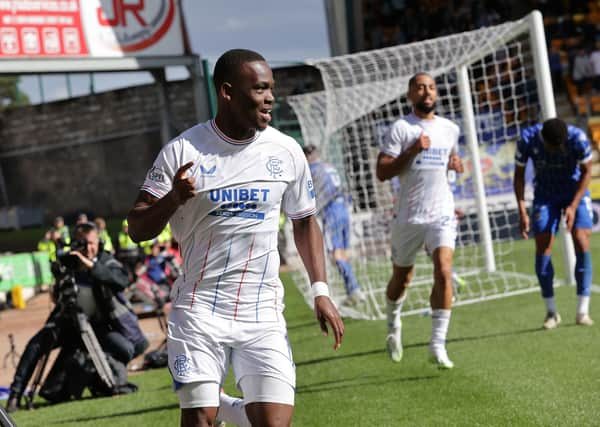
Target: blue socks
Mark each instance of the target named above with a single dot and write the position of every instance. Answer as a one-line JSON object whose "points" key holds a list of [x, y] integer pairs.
{"points": [[545, 274], [583, 273], [347, 273]]}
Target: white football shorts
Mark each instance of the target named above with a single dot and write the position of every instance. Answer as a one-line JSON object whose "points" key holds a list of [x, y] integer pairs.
{"points": [[201, 347], [407, 239]]}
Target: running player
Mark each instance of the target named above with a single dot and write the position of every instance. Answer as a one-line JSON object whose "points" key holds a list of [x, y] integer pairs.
{"points": [[420, 149]]}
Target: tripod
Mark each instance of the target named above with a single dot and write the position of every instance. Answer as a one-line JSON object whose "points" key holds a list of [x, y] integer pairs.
{"points": [[12, 353], [6, 420], [162, 318], [69, 312], [94, 350]]}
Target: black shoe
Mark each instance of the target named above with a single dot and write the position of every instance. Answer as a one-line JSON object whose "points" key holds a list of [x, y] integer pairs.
{"points": [[13, 403]]}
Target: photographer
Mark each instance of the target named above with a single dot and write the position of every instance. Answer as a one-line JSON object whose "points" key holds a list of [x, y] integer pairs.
{"points": [[91, 281]]}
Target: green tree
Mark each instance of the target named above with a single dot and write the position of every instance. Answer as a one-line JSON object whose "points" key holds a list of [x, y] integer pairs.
{"points": [[10, 95]]}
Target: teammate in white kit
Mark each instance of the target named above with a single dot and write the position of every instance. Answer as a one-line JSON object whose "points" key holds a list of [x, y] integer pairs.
{"points": [[221, 185], [420, 149]]}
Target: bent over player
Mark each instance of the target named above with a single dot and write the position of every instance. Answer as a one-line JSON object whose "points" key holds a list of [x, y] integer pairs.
{"points": [[561, 157], [221, 185]]}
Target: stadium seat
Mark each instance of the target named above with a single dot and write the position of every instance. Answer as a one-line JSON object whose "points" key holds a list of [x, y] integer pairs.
{"points": [[594, 130]]}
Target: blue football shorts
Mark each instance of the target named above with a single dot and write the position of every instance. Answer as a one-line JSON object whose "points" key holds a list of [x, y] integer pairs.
{"points": [[546, 215], [336, 226]]}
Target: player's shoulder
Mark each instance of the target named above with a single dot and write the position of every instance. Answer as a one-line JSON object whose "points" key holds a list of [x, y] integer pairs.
{"points": [[405, 126], [405, 121], [576, 134], [530, 132], [447, 126], [270, 135], [445, 122], [191, 137]]}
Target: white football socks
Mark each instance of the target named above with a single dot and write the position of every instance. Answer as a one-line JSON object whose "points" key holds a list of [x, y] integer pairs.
{"points": [[393, 309], [583, 304], [550, 305], [440, 319], [231, 410]]}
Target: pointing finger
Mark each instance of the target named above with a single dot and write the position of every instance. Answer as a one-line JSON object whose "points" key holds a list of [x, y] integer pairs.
{"points": [[181, 171]]}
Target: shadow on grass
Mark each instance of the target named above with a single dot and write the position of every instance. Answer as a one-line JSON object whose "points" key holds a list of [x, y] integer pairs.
{"points": [[120, 414], [302, 325], [342, 356], [357, 382], [417, 345]]}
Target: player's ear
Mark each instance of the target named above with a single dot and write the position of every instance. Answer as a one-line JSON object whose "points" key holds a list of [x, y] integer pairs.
{"points": [[225, 91]]}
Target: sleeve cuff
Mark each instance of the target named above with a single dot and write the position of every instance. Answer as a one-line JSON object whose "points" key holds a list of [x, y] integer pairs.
{"points": [[159, 194], [302, 214]]}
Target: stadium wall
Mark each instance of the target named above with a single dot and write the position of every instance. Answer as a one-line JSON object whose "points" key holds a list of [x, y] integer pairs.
{"points": [[90, 153]]}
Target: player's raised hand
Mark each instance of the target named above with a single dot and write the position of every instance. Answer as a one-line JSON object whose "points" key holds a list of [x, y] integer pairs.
{"points": [[327, 313], [455, 163], [524, 225], [570, 212], [183, 186], [422, 143]]}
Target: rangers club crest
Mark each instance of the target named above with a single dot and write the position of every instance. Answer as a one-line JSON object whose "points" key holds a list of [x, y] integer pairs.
{"points": [[274, 167], [182, 365]]}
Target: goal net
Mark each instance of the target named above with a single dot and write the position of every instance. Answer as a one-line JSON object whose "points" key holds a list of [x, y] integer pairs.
{"points": [[492, 83]]}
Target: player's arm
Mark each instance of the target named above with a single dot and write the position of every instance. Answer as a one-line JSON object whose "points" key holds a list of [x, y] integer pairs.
{"points": [[389, 167], [309, 242], [150, 215], [519, 188], [455, 162], [582, 185]]}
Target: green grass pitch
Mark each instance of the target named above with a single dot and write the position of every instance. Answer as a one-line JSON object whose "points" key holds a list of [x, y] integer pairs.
{"points": [[508, 372]]}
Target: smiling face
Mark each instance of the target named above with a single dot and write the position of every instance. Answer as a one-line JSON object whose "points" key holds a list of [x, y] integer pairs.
{"points": [[249, 99], [422, 93]]}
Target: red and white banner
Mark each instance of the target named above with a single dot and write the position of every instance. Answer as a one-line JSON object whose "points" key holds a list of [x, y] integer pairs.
{"points": [[90, 28]]}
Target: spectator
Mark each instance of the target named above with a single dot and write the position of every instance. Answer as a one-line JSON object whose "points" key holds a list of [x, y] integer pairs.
{"points": [[82, 218], [61, 227], [595, 60], [104, 236], [582, 69]]}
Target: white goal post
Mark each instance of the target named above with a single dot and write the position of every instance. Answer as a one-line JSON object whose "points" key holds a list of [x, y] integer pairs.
{"points": [[492, 82]]}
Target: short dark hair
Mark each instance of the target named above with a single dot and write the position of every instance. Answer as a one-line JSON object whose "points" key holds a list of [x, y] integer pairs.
{"points": [[309, 149], [229, 64], [85, 228], [412, 80], [554, 131]]}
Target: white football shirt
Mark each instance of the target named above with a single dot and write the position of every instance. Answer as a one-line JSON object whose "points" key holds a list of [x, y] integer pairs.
{"points": [[228, 231], [425, 196]]}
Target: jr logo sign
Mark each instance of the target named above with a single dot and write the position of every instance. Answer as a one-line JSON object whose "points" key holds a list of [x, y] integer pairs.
{"points": [[138, 27]]}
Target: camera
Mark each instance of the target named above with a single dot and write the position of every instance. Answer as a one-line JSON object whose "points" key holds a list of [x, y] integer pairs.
{"points": [[72, 262], [65, 292]]}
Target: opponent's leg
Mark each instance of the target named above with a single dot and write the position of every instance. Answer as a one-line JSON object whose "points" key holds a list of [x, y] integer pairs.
{"points": [[545, 274], [583, 274], [546, 219]]}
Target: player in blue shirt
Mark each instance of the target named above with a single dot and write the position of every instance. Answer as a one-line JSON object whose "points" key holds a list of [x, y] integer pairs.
{"points": [[561, 157], [333, 210]]}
